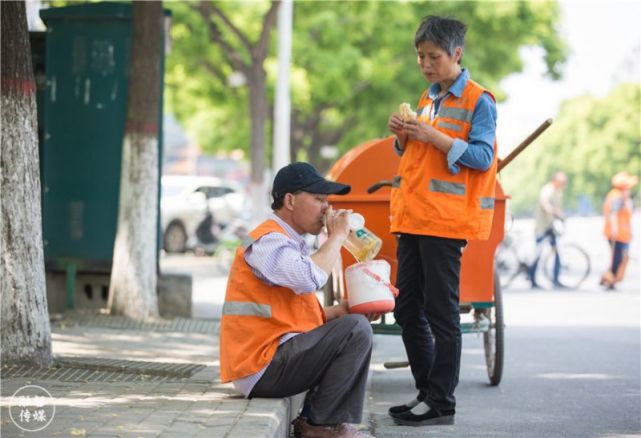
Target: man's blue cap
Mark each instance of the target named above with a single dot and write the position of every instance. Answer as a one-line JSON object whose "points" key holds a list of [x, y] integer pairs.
{"points": [[303, 176]]}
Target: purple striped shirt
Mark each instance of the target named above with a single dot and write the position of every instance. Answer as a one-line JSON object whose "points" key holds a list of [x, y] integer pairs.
{"points": [[281, 260]]}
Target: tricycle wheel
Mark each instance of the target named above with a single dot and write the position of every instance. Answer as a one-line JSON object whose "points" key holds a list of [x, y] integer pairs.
{"points": [[493, 339]]}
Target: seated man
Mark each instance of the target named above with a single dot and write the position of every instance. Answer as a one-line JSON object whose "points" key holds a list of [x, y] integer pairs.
{"points": [[276, 340]]}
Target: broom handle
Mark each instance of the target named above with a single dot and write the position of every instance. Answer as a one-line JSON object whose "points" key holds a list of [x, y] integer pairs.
{"points": [[525, 143]]}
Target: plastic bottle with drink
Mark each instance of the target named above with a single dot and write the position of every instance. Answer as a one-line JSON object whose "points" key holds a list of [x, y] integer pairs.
{"points": [[361, 242]]}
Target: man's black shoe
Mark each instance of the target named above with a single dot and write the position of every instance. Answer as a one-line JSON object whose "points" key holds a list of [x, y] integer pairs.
{"points": [[559, 285], [432, 417], [395, 411]]}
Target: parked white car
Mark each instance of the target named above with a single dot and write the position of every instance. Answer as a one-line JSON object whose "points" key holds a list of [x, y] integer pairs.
{"points": [[184, 203]]}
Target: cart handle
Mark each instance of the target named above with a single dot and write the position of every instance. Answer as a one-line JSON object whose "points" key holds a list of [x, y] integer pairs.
{"points": [[391, 365], [525, 143], [394, 182]]}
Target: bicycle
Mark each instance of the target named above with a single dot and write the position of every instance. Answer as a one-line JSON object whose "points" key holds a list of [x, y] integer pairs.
{"points": [[575, 261], [507, 262]]}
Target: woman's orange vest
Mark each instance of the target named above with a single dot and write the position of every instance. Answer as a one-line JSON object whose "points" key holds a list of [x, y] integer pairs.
{"points": [[430, 200], [624, 217], [256, 315]]}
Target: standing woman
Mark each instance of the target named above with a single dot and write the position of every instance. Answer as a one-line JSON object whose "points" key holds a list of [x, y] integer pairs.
{"points": [[617, 211], [445, 197]]}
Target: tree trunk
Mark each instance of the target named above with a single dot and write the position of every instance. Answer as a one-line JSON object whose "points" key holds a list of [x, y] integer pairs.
{"points": [[132, 290], [25, 330], [255, 73]]}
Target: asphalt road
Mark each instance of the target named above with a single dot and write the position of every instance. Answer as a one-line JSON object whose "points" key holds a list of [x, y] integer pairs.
{"points": [[571, 370], [572, 360]]}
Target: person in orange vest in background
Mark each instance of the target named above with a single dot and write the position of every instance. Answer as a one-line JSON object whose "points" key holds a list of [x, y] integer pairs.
{"points": [[617, 212], [445, 197], [276, 340]]}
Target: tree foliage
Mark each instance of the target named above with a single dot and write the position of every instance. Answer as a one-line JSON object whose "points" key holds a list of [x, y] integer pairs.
{"points": [[591, 139], [360, 63], [238, 40], [352, 64]]}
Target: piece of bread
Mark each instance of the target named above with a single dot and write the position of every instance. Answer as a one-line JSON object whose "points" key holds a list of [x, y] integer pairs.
{"points": [[406, 112]]}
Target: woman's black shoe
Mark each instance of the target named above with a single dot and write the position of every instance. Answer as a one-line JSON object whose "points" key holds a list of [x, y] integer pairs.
{"points": [[395, 411], [432, 417]]}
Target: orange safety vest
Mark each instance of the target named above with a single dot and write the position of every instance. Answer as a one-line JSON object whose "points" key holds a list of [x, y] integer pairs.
{"points": [[430, 200], [624, 217], [256, 315]]}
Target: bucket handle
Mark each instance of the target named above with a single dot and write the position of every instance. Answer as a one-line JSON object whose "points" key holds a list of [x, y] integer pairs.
{"points": [[380, 279]]}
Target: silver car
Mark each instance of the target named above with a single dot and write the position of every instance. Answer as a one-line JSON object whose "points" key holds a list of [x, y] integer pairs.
{"points": [[185, 201]]}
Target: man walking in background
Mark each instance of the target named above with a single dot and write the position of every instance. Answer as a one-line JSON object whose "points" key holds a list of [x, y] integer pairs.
{"points": [[548, 209]]}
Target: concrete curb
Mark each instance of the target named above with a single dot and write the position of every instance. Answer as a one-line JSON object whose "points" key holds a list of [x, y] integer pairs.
{"points": [[266, 417]]}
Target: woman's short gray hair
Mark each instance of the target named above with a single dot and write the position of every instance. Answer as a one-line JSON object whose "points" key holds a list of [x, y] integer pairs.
{"points": [[447, 33]]}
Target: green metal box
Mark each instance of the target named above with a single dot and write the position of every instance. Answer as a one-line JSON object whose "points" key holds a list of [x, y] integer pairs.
{"points": [[83, 110]]}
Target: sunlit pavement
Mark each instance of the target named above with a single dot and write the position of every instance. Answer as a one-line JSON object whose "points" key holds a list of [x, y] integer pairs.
{"points": [[122, 402]]}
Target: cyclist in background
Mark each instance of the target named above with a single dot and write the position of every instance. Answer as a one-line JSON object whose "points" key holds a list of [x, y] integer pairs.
{"points": [[549, 208]]}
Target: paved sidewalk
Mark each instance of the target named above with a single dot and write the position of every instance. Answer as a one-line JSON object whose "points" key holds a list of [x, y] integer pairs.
{"points": [[143, 380]]}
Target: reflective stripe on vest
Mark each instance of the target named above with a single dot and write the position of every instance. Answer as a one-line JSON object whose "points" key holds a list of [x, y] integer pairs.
{"points": [[487, 203], [247, 242], [456, 113], [450, 126], [239, 308], [447, 187]]}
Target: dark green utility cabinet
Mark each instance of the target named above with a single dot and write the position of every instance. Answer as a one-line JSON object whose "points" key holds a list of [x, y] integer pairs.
{"points": [[82, 110]]}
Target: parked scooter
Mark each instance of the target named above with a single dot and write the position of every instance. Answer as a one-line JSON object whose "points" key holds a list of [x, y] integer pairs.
{"points": [[212, 236], [207, 235]]}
